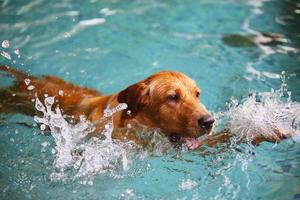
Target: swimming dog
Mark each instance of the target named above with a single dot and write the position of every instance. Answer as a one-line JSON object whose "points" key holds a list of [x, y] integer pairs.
{"points": [[167, 100]]}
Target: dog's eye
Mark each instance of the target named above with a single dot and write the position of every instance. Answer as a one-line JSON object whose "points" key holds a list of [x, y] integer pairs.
{"points": [[197, 94], [173, 98]]}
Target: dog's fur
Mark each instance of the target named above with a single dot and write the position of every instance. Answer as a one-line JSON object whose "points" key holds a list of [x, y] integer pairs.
{"points": [[167, 100], [149, 101]]}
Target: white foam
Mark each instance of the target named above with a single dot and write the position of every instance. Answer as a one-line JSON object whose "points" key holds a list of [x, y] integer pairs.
{"points": [[73, 151], [187, 184], [265, 114]]}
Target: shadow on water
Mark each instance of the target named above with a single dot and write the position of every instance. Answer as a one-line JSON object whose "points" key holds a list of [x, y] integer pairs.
{"points": [[286, 37], [288, 19], [251, 40]]}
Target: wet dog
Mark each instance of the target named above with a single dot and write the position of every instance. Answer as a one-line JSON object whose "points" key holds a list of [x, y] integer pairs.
{"points": [[168, 101]]}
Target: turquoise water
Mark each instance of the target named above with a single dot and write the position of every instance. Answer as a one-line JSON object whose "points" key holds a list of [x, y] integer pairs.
{"points": [[126, 42]]}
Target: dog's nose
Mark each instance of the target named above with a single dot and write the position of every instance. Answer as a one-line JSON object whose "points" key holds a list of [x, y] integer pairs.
{"points": [[206, 121]]}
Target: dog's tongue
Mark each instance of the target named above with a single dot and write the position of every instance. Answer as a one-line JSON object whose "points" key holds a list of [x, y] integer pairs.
{"points": [[192, 143]]}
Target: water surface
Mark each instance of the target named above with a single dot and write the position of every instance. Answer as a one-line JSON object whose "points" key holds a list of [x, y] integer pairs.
{"points": [[108, 45]]}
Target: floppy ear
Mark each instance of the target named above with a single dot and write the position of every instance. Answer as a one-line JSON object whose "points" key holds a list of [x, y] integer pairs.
{"points": [[136, 97]]}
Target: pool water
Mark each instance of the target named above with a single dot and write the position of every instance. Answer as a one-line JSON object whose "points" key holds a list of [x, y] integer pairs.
{"points": [[108, 45]]}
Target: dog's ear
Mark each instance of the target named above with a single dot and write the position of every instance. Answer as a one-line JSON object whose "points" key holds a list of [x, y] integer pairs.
{"points": [[136, 97]]}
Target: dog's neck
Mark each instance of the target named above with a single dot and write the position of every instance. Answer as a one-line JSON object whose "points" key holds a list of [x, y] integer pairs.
{"points": [[123, 119]]}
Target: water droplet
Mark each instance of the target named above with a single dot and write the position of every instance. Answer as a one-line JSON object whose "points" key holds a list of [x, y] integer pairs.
{"points": [[17, 52], [61, 92], [49, 102], [27, 81], [53, 151], [5, 55], [87, 157], [30, 87], [45, 144], [43, 127], [38, 105], [82, 118], [5, 44]]}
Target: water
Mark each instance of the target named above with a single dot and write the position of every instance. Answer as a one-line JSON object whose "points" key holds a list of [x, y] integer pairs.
{"points": [[108, 45]]}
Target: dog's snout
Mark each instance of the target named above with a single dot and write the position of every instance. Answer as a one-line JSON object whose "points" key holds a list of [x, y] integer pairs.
{"points": [[206, 121]]}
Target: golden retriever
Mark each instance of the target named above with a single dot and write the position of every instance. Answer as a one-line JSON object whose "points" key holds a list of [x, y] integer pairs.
{"points": [[167, 100]]}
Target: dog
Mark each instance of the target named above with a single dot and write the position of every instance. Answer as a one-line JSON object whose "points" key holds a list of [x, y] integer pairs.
{"points": [[167, 100]]}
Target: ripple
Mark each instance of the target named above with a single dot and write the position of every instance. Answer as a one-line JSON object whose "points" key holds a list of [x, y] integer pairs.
{"points": [[107, 11], [76, 29], [254, 73], [92, 22], [28, 7], [188, 36]]}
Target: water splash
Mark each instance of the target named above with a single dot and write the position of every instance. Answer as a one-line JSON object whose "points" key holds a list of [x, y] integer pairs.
{"points": [[8, 53], [264, 114], [76, 154], [77, 157], [5, 55], [187, 184]]}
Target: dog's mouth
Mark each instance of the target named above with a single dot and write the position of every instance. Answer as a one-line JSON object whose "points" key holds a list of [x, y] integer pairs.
{"points": [[190, 142]]}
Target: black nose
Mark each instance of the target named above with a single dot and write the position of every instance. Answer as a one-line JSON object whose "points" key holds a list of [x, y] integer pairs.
{"points": [[206, 121]]}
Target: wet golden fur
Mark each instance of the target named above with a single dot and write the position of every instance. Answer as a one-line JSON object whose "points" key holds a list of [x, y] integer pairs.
{"points": [[148, 101], [151, 103]]}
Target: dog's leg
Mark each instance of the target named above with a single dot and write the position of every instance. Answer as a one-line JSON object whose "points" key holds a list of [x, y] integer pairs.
{"points": [[13, 99], [11, 102], [20, 96]]}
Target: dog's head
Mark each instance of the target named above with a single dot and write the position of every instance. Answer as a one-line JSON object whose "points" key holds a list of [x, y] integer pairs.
{"points": [[169, 101]]}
